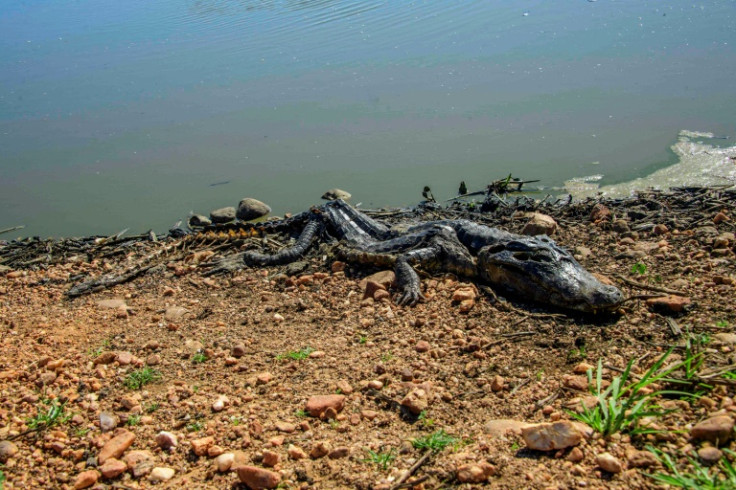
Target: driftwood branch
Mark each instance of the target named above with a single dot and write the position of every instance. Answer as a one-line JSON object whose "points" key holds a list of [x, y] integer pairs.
{"points": [[649, 287]]}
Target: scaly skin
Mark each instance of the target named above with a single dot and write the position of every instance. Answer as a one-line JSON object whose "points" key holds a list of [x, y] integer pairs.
{"points": [[532, 267]]}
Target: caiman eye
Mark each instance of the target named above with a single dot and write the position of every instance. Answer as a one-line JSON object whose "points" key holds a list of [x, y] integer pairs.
{"points": [[498, 248], [536, 257], [521, 256]]}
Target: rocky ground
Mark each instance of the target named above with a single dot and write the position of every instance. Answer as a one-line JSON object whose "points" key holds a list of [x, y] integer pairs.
{"points": [[316, 380]]}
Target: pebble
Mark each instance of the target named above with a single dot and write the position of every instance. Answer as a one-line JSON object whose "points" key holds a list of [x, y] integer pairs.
{"points": [[223, 215], [710, 455], [422, 346], [609, 463], [160, 473], [475, 472], [219, 404], [258, 478], [317, 405], [8, 449], [415, 401], [136, 457], [599, 213], [224, 462], [546, 437], [201, 445], [336, 193], [287, 427], [576, 455], [296, 453], [502, 427], [539, 224], [270, 458], [385, 278], [640, 459], [175, 313], [498, 383], [166, 440], [319, 450], [671, 303], [153, 360], [264, 378], [113, 468], [86, 479], [215, 451], [371, 288], [339, 452], [115, 447], [717, 430], [238, 350]]}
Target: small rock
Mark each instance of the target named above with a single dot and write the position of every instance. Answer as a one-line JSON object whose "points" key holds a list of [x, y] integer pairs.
{"points": [[134, 459], [317, 405], [415, 401], [640, 459], [335, 193], [296, 453], [371, 287], [270, 458], [124, 358], [175, 313], [620, 226], [224, 462], [215, 451], [8, 449], [161, 474], [166, 440], [609, 463], [503, 427], [285, 427], [600, 213], [422, 346], [197, 220], [115, 447], [339, 452], [200, 446], [238, 350], [475, 472], [264, 378], [319, 450], [142, 469], [219, 404], [113, 468], [576, 455], [710, 455], [115, 304], [672, 303], [385, 278], [721, 217], [546, 437], [539, 224], [498, 383], [223, 215], [258, 478], [153, 360], [660, 229], [717, 430], [464, 294], [86, 479], [250, 209]]}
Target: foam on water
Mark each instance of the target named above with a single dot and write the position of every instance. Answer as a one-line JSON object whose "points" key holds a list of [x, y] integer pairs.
{"points": [[699, 164]]}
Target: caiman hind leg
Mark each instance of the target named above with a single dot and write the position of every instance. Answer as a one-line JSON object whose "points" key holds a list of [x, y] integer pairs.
{"points": [[407, 279], [289, 254]]}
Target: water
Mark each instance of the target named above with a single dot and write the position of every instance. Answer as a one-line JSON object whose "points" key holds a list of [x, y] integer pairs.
{"points": [[122, 114]]}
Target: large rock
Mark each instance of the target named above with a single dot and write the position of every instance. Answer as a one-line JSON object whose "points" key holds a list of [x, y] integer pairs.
{"points": [[258, 478], [223, 215], [475, 472], [250, 209], [7, 450], [546, 437], [717, 430], [336, 194], [504, 427]]}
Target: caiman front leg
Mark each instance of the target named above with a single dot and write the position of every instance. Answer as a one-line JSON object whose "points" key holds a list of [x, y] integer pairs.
{"points": [[289, 254], [407, 279]]}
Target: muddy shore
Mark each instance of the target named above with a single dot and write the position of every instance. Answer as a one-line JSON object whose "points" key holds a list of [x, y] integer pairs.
{"points": [[175, 378]]}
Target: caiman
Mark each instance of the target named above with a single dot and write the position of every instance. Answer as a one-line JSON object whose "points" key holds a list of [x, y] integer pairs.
{"points": [[532, 268]]}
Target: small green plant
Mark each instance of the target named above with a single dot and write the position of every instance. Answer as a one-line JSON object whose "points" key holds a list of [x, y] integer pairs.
{"points": [[577, 353], [722, 324], [540, 375], [334, 424], [515, 446], [81, 432], [153, 407], [424, 420], [362, 339], [301, 413], [625, 402], [133, 420], [387, 356], [195, 426], [299, 355], [729, 375], [199, 358], [50, 413], [382, 459], [2, 479], [95, 352], [436, 442], [236, 421], [720, 477], [639, 268], [141, 377], [195, 388]]}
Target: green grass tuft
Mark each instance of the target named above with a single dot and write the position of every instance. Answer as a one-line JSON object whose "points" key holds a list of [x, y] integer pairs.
{"points": [[141, 377], [382, 459], [49, 417], [720, 477], [436, 442], [298, 355]]}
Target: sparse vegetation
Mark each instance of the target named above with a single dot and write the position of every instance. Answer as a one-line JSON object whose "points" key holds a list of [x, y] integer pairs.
{"points": [[141, 377], [133, 420], [195, 426], [639, 268], [626, 401], [153, 407], [299, 355], [719, 477], [425, 420], [50, 413], [382, 459], [199, 358], [436, 442]]}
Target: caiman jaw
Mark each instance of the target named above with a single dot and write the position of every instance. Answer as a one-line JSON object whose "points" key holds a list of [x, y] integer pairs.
{"points": [[536, 268]]}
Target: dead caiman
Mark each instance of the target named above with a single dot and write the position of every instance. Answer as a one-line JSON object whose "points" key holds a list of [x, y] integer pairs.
{"points": [[533, 268]]}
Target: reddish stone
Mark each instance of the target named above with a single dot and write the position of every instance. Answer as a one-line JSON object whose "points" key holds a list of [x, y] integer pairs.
{"points": [[258, 478], [116, 446], [318, 404]]}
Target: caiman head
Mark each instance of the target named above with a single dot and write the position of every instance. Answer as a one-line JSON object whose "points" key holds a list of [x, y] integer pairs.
{"points": [[536, 268]]}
